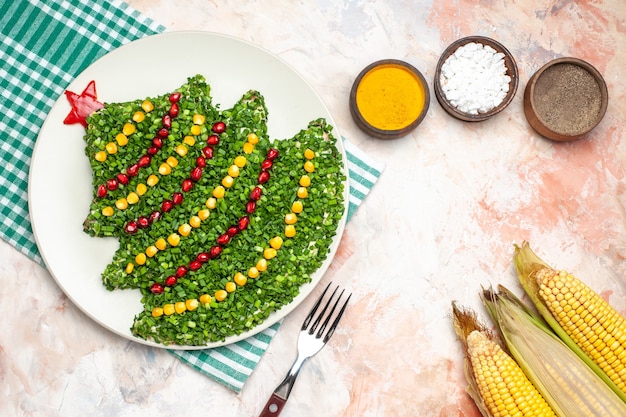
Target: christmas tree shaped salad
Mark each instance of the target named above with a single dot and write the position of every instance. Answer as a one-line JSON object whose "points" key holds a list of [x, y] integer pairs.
{"points": [[218, 225]]}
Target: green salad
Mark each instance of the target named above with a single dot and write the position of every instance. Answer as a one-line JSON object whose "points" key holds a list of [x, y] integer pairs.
{"points": [[219, 225]]}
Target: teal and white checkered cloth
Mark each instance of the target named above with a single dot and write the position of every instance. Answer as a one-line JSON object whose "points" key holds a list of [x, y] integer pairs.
{"points": [[44, 44]]}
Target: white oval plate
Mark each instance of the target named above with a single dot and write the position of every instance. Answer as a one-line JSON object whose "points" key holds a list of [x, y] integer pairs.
{"points": [[60, 180]]}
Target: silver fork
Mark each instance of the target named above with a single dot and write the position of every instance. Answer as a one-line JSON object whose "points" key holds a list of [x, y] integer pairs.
{"points": [[312, 338]]}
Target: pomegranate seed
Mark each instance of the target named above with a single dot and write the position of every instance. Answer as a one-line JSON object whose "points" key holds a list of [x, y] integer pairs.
{"points": [[157, 288], [144, 161], [267, 164], [272, 154], [177, 198], [195, 265], [174, 97], [213, 140], [264, 177], [143, 222], [181, 271], [163, 132], [154, 216], [215, 251], [250, 207], [122, 178], [219, 127], [174, 110], [158, 142], [152, 150], [255, 194], [102, 191], [207, 151], [166, 206], [132, 170], [232, 231], [243, 222], [171, 281], [187, 185], [223, 240], [112, 184], [200, 162], [202, 257], [131, 227], [167, 121], [196, 174]]}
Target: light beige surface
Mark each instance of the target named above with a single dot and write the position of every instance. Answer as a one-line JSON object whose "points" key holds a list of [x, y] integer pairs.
{"points": [[441, 222]]}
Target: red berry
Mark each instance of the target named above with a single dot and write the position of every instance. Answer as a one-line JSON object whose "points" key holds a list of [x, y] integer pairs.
{"points": [[243, 222], [152, 150], [171, 281], [187, 185], [219, 127], [200, 162], [207, 151], [143, 222], [122, 178], [232, 231], [157, 288], [195, 265], [144, 161], [272, 154], [102, 191], [174, 97], [132, 170], [215, 251], [174, 110], [112, 184], [250, 207], [223, 240], [166, 206], [163, 132], [267, 164], [181, 271], [264, 177], [166, 121], [202, 257], [213, 140], [255, 194], [196, 174], [177, 198], [154, 216], [131, 227], [158, 142]]}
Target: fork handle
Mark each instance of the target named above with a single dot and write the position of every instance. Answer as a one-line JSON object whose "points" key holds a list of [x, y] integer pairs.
{"points": [[274, 406]]}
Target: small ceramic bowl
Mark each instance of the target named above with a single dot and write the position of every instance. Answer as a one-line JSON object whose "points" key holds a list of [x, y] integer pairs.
{"points": [[511, 71], [389, 99], [565, 99]]}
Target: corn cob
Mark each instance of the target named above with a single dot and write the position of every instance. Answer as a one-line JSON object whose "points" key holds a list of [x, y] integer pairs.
{"points": [[497, 384], [586, 322], [566, 382]]}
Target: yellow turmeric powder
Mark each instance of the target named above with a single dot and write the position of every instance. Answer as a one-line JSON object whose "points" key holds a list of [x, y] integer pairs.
{"points": [[390, 97]]}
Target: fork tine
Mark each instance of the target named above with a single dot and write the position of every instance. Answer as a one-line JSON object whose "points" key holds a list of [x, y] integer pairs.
{"points": [[319, 317], [309, 317], [330, 314], [333, 326]]}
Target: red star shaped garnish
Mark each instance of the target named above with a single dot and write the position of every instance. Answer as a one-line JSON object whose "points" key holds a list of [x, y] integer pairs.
{"points": [[82, 105]]}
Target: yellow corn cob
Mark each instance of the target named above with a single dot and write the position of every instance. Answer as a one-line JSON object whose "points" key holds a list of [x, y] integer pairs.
{"points": [[496, 382], [584, 320]]}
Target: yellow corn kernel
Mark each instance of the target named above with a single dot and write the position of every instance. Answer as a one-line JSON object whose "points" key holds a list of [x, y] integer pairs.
{"points": [[253, 138], [211, 202], [181, 150], [107, 211], [218, 192], [128, 129], [173, 239], [297, 207], [233, 171], [151, 251], [180, 307], [141, 189], [253, 272], [139, 116], [152, 180], [240, 161], [228, 181], [302, 192], [309, 154], [309, 167], [261, 265], [240, 279], [111, 148], [276, 242], [171, 161], [121, 139], [198, 119], [194, 221], [269, 253], [132, 198], [140, 259], [189, 140], [204, 214], [220, 295], [147, 106], [230, 286], [191, 304], [305, 181], [101, 156], [165, 169], [291, 218], [205, 299], [157, 312], [160, 244], [184, 229], [129, 268], [195, 130], [290, 230], [248, 148], [121, 204], [169, 309]]}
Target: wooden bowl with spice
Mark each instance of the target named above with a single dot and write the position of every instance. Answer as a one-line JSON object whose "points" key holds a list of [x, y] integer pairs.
{"points": [[565, 99], [475, 79], [389, 99]]}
